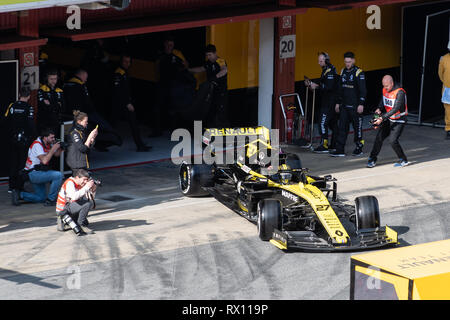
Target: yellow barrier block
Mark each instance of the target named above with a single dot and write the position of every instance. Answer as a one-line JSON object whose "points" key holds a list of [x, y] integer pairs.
{"points": [[415, 272]]}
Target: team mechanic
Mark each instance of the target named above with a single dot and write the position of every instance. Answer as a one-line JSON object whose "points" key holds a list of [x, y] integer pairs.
{"points": [[216, 74], [122, 101], [350, 102], [328, 116], [392, 122], [50, 103], [22, 130]]}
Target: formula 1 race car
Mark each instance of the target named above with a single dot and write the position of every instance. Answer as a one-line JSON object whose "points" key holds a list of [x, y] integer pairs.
{"points": [[291, 208]]}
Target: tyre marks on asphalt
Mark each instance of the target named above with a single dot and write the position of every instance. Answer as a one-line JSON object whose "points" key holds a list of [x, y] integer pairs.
{"points": [[117, 270], [36, 249], [235, 273], [154, 263], [259, 265]]}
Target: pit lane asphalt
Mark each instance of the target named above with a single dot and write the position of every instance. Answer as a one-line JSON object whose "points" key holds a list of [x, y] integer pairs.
{"points": [[158, 245]]}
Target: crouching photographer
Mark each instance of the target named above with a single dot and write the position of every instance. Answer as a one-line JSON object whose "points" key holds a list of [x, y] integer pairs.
{"points": [[75, 200]]}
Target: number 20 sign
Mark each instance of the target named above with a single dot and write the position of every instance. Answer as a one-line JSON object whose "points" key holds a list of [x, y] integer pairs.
{"points": [[287, 46]]}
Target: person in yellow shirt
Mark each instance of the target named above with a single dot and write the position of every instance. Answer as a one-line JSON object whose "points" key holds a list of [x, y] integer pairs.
{"points": [[444, 75]]}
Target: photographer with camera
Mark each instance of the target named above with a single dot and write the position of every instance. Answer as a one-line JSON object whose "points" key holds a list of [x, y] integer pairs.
{"points": [[41, 151], [79, 142], [74, 202], [391, 123]]}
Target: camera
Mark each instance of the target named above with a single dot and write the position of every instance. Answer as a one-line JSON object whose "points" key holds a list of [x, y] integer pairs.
{"points": [[375, 118], [63, 145], [97, 182]]}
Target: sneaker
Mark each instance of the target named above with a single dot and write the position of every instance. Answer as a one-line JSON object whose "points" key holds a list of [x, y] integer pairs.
{"points": [[49, 203], [320, 149], [337, 153], [371, 163], [15, 197], [401, 163], [357, 152], [87, 230], [59, 224]]}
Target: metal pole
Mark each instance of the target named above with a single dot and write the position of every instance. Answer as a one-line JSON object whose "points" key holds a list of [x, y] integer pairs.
{"points": [[312, 117], [61, 158], [306, 110], [423, 71]]}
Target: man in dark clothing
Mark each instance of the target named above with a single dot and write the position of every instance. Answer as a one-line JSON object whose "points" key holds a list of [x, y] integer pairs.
{"points": [[22, 131], [122, 101], [50, 103], [350, 101], [77, 98], [328, 116], [390, 123], [169, 65], [217, 75]]}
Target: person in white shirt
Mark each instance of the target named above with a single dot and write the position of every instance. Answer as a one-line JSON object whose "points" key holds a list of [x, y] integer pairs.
{"points": [[37, 167], [74, 199]]}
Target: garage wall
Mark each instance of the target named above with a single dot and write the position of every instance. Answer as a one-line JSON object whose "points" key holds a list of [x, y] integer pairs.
{"points": [[341, 31], [317, 30]]}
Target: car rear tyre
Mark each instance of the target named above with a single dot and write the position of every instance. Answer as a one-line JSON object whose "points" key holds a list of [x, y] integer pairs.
{"points": [[193, 178], [367, 212], [269, 218]]}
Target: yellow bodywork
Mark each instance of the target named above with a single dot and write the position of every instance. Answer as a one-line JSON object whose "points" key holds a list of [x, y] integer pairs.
{"points": [[318, 202]]}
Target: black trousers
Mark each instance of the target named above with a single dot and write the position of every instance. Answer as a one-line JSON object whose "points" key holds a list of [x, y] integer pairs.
{"points": [[393, 130], [17, 158], [217, 116], [348, 115], [328, 120]]}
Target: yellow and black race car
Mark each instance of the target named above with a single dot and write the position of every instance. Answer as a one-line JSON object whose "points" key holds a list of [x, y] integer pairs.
{"points": [[291, 208]]}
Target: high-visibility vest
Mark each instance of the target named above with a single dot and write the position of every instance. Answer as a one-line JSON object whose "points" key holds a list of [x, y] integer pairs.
{"points": [[62, 199], [29, 162], [389, 99]]}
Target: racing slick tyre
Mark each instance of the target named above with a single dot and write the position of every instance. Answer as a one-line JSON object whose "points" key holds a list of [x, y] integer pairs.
{"points": [[367, 212], [193, 177], [269, 218]]}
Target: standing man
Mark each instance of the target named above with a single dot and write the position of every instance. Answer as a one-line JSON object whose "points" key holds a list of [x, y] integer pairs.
{"points": [[170, 63], [122, 101], [50, 103], [390, 123], [40, 153], [350, 105], [21, 129], [444, 75], [328, 116], [216, 74], [77, 97]]}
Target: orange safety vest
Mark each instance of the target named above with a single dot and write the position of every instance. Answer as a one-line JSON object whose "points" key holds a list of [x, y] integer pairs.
{"points": [[62, 199], [389, 99], [29, 162]]}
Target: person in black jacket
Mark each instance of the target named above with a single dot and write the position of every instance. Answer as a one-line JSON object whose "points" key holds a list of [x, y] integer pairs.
{"points": [[390, 123], [122, 101], [80, 143], [21, 129], [77, 97], [50, 103], [328, 117], [350, 102]]}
